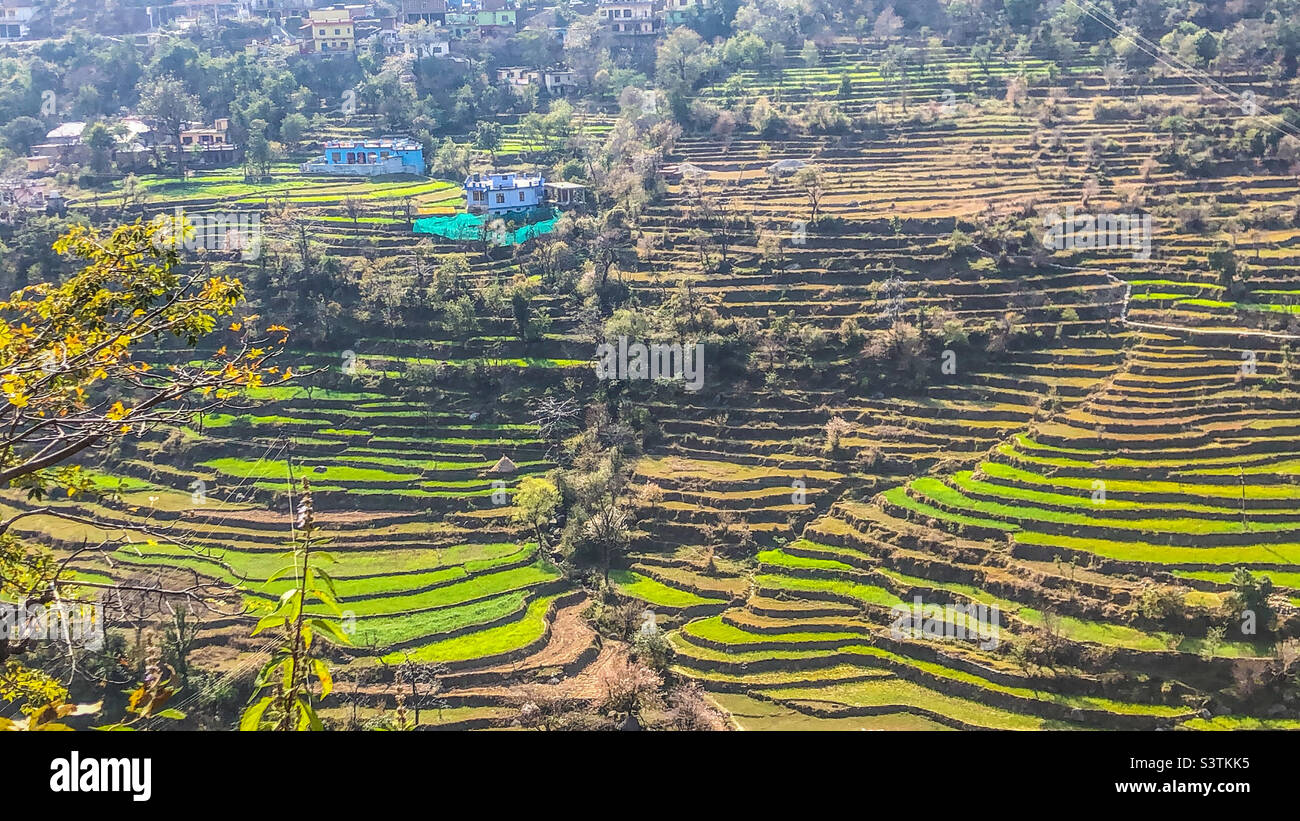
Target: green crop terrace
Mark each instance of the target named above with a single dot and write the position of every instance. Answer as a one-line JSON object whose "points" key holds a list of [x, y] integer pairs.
{"points": [[1059, 479]]}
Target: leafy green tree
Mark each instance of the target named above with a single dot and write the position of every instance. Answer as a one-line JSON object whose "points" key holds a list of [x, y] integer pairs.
{"points": [[101, 142], [812, 181], [682, 58], [132, 193], [257, 150], [21, 133], [1224, 261], [810, 54], [982, 54], [451, 160], [167, 101], [1252, 595], [88, 102], [179, 637], [535, 501], [292, 129], [487, 137]]}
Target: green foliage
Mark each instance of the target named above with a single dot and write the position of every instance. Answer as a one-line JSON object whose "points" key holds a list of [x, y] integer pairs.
{"points": [[1251, 594], [487, 137], [72, 350], [283, 698], [536, 500]]}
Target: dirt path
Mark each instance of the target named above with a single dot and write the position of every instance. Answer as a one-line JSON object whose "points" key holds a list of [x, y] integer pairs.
{"points": [[570, 636]]}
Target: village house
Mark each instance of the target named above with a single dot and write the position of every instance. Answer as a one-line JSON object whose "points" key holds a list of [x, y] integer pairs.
{"points": [[421, 40], [560, 82], [275, 46], [15, 19], [128, 130], [279, 10], [519, 76], [680, 12], [65, 134], [209, 145], [368, 158], [330, 31], [367, 24], [201, 136], [495, 23], [135, 143], [499, 193], [424, 11], [63, 145], [22, 198], [134, 131], [630, 18], [461, 24], [183, 15], [565, 194], [209, 9]]}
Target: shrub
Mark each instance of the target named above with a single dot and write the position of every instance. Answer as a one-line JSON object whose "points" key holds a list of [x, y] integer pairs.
{"points": [[1111, 110], [1160, 603], [836, 429]]}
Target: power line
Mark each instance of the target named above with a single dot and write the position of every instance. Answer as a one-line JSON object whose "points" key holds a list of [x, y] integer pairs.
{"points": [[1206, 82]]}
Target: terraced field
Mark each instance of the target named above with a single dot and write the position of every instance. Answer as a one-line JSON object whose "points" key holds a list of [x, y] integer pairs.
{"points": [[1122, 447], [1133, 434], [428, 563], [1027, 530]]}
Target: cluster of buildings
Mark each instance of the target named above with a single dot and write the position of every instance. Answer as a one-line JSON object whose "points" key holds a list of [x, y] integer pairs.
{"points": [[645, 18], [307, 26], [135, 142], [414, 28], [325, 28], [420, 27], [558, 81], [20, 199]]}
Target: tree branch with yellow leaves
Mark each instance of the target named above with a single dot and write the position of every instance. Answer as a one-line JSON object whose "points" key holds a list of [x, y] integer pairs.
{"points": [[137, 339]]}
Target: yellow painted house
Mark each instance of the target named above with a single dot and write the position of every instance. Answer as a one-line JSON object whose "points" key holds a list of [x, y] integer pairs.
{"points": [[331, 31]]}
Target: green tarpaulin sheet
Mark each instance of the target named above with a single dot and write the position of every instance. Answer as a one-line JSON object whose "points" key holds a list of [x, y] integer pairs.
{"points": [[470, 227]]}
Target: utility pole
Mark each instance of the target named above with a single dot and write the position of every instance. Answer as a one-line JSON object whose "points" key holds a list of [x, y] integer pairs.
{"points": [[1241, 473]]}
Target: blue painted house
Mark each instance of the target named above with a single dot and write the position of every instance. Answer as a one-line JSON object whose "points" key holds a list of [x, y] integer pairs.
{"points": [[369, 158], [498, 193]]}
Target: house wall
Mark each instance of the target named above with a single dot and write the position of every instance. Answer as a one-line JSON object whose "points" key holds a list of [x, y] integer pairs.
{"points": [[391, 165], [14, 21], [402, 161]]}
